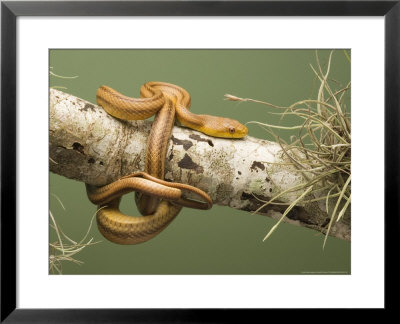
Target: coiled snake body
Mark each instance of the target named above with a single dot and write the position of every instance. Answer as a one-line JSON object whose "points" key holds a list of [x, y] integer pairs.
{"points": [[166, 101]]}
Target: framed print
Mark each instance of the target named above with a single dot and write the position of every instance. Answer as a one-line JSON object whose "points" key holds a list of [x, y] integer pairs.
{"points": [[199, 159], [255, 180]]}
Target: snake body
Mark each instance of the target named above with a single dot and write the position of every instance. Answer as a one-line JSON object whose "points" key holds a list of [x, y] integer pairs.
{"points": [[165, 100], [123, 229]]}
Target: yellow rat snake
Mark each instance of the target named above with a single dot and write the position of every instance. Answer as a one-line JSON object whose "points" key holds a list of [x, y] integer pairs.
{"points": [[166, 101]]}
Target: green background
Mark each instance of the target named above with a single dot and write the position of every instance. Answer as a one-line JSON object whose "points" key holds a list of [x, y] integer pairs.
{"points": [[221, 240]]}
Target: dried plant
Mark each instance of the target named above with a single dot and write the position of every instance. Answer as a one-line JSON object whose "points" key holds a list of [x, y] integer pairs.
{"points": [[65, 248], [321, 150]]}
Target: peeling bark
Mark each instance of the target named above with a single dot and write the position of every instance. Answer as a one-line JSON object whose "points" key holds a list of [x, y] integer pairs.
{"points": [[88, 145]]}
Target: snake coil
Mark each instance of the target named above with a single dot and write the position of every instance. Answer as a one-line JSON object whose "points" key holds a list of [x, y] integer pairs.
{"points": [[158, 200]]}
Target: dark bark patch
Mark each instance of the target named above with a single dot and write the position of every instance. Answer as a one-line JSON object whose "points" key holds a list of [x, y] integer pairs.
{"points": [[87, 107], [257, 201], [91, 160], [246, 196], [223, 191], [78, 147], [201, 139], [187, 163], [298, 213], [185, 143], [326, 222], [257, 165]]}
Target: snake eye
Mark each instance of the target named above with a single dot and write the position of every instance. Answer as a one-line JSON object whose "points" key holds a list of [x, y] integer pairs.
{"points": [[232, 130]]}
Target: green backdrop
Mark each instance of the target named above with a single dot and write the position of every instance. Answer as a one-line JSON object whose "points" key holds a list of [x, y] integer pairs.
{"points": [[221, 240]]}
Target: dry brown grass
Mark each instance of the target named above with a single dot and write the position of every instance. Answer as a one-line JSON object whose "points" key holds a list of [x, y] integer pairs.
{"points": [[321, 149]]}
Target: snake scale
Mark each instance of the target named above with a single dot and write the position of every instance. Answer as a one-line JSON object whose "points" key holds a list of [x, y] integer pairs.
{"points": [[158, 200]]}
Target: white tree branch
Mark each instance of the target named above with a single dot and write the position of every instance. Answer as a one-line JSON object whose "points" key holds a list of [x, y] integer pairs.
{"points": [[88, 145]]}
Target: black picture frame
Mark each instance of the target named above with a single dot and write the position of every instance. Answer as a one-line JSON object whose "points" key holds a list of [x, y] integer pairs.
{"points": [[11, 10]]}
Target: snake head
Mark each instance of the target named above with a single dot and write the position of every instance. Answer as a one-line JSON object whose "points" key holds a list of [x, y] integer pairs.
{"points": [[222, 127], [231, 128]]}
